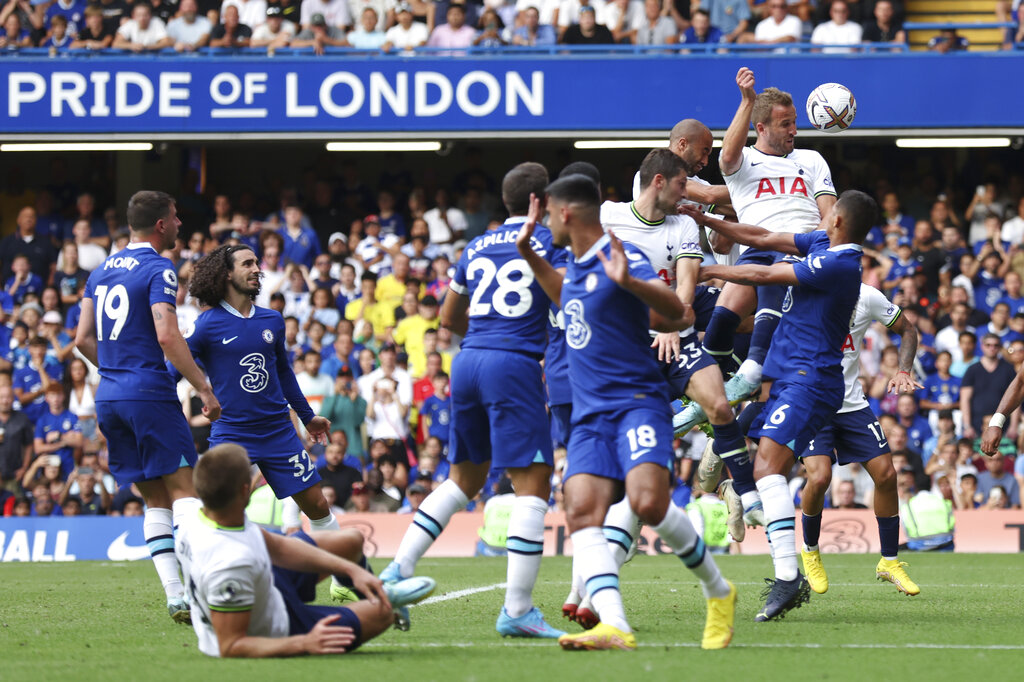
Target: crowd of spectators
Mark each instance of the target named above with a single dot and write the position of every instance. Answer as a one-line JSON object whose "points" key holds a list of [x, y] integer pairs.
{"points": [[185, 26], [359, 274]]}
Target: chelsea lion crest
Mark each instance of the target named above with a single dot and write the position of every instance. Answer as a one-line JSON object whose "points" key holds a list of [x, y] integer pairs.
{"points": [[268, 336]]}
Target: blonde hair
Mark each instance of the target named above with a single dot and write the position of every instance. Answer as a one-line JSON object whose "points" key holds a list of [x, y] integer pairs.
{"points": [[766, 101]]}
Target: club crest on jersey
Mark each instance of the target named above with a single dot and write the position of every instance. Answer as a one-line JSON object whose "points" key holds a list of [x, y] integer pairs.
{"points": [[268, 336], [591, 282], [66, 425], [171, 277], [787, 302]]}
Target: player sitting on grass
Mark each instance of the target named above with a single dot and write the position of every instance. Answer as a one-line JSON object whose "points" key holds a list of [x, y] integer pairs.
{"points": [[621, 419], [249, 587]]}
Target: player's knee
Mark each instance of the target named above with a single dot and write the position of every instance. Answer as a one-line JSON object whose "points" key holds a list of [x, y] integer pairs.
{"points": [[649, 506], [819, 480], [720, 412], [886, 481], [583, 514]]}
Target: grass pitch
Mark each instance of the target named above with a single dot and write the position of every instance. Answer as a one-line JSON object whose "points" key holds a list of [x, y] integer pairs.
{"points": [[106, 621]]}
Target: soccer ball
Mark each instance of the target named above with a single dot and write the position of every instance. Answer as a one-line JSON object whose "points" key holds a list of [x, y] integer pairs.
{"points": [[831, 107]]}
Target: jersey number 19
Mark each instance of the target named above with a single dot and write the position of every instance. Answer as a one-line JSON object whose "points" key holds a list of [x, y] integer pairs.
{"points": [[111, 302]]}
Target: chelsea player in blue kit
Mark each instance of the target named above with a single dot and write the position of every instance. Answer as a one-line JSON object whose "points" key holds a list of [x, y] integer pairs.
{"points": [[497, 396], [128, 325], [805, 362], [621, 438]]}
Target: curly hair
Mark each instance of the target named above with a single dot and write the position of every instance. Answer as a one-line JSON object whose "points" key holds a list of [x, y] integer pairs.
{"points": [[211, 273], [766, 101]]}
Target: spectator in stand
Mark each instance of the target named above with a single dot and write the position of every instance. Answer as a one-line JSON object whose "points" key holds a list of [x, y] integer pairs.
{"points": [[16, 443], [984, 203], [316, 387], [948, 338], [655, 28], [778, 27], [380, 316], [90, 255], [532, 32], [22, 282], [846, 494], [56, 430], [189, 31], [367, 36], [59, 38], [410, 331], [346, 410], [490, 28], [301, 245], [885, 27], [232, 32], [1013, 229], [334, 12], [445, 222], [72, 10], [982, 387], [338, 475], [948, 41], [547, 10], [374, 251], [701, 31], [40, 252], [587, 31], [909, 417], [731, 17], [895, 221], [839, 30], [1013, 298], [995, 476], [941, 390], [14, 34], [115, 13], [407, 34], [454, 33], [999, 325], [968, 346], [251, 13], [387, 416], [435, 412], [392, 287], [275, 32], [988, 282], [143, 32], [385, 10]]}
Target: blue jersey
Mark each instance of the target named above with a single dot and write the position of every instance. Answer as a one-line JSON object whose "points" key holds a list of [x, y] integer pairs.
{"points": [[610, 362], [1016, 304], [807, 346], [507, 308], [48, 422], [246, 360], [556, 355], [939, 390], [123, 290], [301, 250], [28, 380], [899, 270], [988, 290], [439, 411]]}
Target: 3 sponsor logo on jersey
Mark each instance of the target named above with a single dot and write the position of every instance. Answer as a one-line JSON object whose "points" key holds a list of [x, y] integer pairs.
{"points": [[787, 302], [577, 331]]}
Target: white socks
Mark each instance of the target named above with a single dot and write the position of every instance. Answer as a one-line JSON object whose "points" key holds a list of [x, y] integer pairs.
{"points": [[431, 518], [592, 561], [326, 523], [621, 526], [678, 533], [525, 547], [290, 514], [158, 529], [750, 371], [780, 516]]}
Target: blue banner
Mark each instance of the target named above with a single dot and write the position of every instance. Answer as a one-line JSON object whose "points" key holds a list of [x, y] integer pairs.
{"points": [[72, 539], [428, 94]]}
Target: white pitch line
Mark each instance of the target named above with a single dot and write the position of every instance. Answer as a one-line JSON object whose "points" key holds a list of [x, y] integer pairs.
{"points": [[448, 596], [627, 581], [695, 645]]}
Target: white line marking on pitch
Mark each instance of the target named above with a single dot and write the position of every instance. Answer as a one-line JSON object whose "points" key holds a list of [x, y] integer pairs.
{"points": [[448, 596], [694, 645], [627, 581]]}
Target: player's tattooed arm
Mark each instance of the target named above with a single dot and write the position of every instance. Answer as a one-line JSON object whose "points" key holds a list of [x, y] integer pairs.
{"points": [[750, 235], [736, 136], [751, 275], [904, 381]]}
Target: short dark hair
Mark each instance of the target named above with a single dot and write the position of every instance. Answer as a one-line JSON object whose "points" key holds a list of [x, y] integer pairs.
{"points": [[368, 277], [661, 161], [219, 475], [582, 168], [575, 189], [146, 207], [860, 211], [519, 183]]}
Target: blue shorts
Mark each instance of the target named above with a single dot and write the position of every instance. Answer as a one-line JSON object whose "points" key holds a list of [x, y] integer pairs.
{"points": [[147, 438], [851, 437], [277, 451], [498, 410], [692, 359], [609, 444], [560, 423], [757, 257], [704, 300], [795, 413], [297, 588]]}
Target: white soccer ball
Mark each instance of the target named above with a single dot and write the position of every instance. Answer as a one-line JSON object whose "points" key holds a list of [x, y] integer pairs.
{"points": [[831, 107]]}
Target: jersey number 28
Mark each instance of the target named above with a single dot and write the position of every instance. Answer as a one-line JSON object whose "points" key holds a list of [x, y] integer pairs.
{"points": [[507, 287]]}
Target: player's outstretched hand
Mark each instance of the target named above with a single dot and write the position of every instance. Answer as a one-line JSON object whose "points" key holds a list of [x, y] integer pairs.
{"points": [[370, 585], [693, 211], [319, 429], [667, 344], [745, 81], [903, 382], [326, 638], [990, 440], [211, 406], [526, 231], [616, 265]]}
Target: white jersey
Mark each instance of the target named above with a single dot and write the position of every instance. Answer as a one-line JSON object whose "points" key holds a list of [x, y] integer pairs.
{"points": [[663, 242], [872, 306], [779, 193], [228, 570]]}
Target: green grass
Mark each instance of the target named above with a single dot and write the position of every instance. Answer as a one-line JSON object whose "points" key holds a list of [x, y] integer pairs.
{"points": [[98, 620]]}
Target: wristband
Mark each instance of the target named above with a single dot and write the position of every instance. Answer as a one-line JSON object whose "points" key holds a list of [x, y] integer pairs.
{"points": [[998, 420], [903, 371]]}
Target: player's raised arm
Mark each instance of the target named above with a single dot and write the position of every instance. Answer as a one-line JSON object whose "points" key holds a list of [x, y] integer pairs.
{"points": [[1010, 401], [549, 278], [736, 136], [173, 344], [751, 275], [668, 313], [750, 235]]}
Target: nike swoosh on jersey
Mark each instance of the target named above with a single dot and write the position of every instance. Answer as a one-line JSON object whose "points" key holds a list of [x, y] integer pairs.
{"points": [[227, 341], [755, 163], [638, 454], [308, 475], [120, 550]]}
